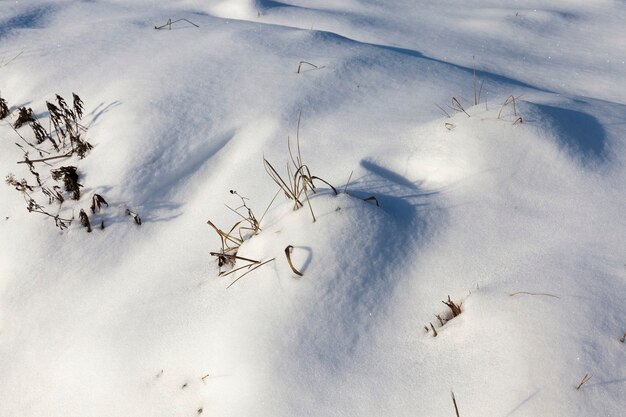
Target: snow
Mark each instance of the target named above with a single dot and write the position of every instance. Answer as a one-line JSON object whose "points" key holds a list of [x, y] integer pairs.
{"points": [[521, 221]]}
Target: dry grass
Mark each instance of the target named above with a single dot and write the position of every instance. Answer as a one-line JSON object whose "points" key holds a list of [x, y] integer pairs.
{"points": [[511, 101], [299, 181], [230, 241], [288, 251], [454, 308], [4, 109], [443, 318], [62, 140]]}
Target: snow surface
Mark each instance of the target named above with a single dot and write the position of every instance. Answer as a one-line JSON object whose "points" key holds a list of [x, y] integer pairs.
{"points": [[135, 321]]}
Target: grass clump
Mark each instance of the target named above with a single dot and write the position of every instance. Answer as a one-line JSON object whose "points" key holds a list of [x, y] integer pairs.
{"points": [[454, 310], [247, 226], [299, 181], [63, 139]]}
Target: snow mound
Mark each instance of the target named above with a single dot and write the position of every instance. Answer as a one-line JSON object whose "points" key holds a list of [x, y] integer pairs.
{"points": [[236, 9]]}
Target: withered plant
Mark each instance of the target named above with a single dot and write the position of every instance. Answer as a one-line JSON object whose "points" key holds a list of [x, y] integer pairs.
{"points": [[134, 216], [33, 206], [62, 140], [454, 308], [247, 226], [96, 203], [4, 109], [300, 181], [231, 240], [171, 22], [69, 176], [84, 220], [288, 251], [24, 116], [443, 318]]}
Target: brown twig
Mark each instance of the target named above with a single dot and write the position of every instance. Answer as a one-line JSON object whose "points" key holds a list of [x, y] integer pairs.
{"points": [[29, 161], [583, 381], [169, 24], [288, 251], [455, 308], [305, 62], [434, 331], [456, 409]]}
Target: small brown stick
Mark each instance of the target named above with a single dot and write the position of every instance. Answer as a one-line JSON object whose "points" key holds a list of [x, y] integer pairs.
{"points": [[234, 257], [288, 251], [372, 198], [456, 409], [305, 62], [455, 308], [509, 99], [623, 339], [434, 331], [204, 377], [456, 105], [449, 126], [170, 23], [135, 217], [440, 319], [518, 121], [29, 161], [583, 381], [534, 293]]}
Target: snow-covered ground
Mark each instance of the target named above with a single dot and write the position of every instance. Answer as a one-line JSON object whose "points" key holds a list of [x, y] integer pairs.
{"points": [[517, 211]]}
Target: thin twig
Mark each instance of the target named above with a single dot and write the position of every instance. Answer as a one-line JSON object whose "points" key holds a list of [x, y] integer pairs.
{"points": [[4, 64], [300, 66], [443, 110], [583, 381], [252, 269], [534, 293], [345, 189], [30, 161], [288, 251], [170, 23], [456, 409], [456, 105]]}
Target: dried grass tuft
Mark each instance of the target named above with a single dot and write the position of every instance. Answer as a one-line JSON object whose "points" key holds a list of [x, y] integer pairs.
{"points": [[300, 181], [4, 109], [84, 220], [454, 308]]}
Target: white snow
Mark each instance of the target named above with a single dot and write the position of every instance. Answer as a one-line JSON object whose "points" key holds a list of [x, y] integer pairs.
{"points": [[523, 224]]}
